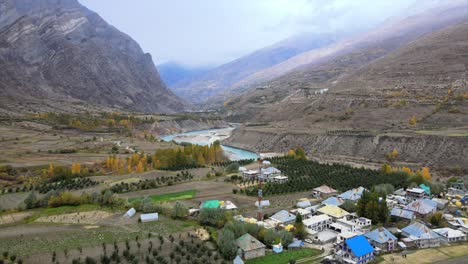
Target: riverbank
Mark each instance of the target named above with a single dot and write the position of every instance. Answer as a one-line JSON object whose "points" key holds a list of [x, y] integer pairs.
{"points": [[208, 136]]}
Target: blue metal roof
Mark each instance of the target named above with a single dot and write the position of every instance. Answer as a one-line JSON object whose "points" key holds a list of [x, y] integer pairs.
{"points": [[353, 194], [359, 246], [380, 235], [284, 216], [402, 213], [420, 231], [333, 201], [296, 244]]}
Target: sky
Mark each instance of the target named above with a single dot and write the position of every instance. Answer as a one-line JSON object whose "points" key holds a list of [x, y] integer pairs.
{"points": [[213, 32]]}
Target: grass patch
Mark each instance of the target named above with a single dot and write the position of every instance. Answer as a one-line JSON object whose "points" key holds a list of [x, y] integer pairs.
{"points": [[285, 257], [167, 197]]}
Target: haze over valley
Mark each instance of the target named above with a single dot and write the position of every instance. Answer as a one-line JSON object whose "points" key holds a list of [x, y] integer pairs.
{"points": [[269, 131]]}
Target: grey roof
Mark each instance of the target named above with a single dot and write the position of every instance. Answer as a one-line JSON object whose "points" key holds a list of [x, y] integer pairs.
{"points": [[420, 231], [333, 201], [247, 242], [353, 194], [402, 213], [422, 206], [284, 216], [380, 235]]}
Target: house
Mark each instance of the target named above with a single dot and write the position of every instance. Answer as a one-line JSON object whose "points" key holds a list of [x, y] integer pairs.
{"points": [[283, 217], [450, 235], [402, 214], [353, 194], [414, 194], [333, 201], [296, 244], [325, 236], [250, 247], [303, 212], [279, 179], [333, 211], [400, 192], [343, 225], [238, 260], [422, 206], [441, 203], [250, 174], [362, 222], [323, 192], [456, 188], [303, 203], [269, 173], [421, 235], [341, 237], [382, 238], [149, 217], [131, 212], [317, 223], [355, 250]]}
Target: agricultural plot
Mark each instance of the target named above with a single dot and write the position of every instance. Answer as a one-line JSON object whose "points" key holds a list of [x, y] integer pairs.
{"points": [[306, 174], [431, 255], [167, 197], [285, 257]]}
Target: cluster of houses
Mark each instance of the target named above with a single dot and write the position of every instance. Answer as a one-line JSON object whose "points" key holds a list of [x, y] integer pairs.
{"points": [[265, 173], [353, 238]]}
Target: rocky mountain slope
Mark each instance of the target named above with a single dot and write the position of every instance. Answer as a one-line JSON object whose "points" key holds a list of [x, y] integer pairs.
{"points": [[55, 52], [199, 89], [410, 95]]}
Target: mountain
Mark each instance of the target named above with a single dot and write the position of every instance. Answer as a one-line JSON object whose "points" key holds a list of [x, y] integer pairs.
{"points": [[199, 89], [59, 52], [172, 72], [356, 103]]}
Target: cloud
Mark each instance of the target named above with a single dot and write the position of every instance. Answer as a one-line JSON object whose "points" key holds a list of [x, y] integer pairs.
{"points": [[216, 31]]}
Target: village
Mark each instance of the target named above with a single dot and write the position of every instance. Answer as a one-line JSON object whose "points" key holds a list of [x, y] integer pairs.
{"points": [[345, 237]]}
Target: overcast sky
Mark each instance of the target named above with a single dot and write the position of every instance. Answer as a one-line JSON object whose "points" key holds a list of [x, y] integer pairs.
{"points": [[204, 32]]}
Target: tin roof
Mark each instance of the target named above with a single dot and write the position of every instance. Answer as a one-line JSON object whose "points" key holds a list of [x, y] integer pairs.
{"points": [[210, 204], [359, 246], [380, 235], [247, 242], [325, 189], [420, 231], [333, 201], [283, 216], [422, 206], [353, 194], [333, 211], [402, 213]]}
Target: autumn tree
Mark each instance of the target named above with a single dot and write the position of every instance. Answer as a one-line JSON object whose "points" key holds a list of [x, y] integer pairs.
{"points": [[386, 168], [140, 167], [407, 171], [392, 155], [76, 168], [50, 172], [425, 173]]}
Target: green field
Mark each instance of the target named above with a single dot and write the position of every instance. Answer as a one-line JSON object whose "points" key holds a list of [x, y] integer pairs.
{"points": [[285, 257], [167, 197]]}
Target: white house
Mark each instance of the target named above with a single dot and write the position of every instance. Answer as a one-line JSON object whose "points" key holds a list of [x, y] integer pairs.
{"points": [[450, 235], [318, 223], [362, 222]]}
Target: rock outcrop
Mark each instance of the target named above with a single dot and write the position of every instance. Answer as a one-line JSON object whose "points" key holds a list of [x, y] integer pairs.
{"points": [[58, 50]]}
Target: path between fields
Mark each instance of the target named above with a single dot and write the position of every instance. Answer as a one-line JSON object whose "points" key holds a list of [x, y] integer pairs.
{"points": [[303, 260]]}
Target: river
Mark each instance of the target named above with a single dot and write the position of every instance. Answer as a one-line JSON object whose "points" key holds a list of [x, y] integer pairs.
{"points": [[208, 136]]}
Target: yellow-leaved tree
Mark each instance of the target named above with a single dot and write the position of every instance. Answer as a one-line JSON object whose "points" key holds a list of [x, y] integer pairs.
{"points": [[413, 120], [426, 174], [50, 172], [76, 168], [140, 167], [407, 171], [386, 168]]}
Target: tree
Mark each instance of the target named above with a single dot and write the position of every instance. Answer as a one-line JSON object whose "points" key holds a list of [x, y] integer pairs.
{"points": [[300, 153], [31, 201], [179, 211], [50, 172], [349, 206], [76, 168], [386, 168], [407, 171], [233, 167], [227, 244], [413, 120], [140, 167], [436, 219], [426, 174], [392, 155], [299, 228]]}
